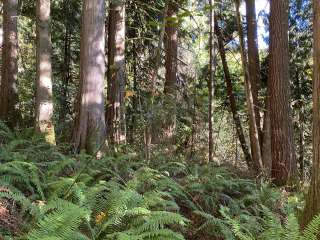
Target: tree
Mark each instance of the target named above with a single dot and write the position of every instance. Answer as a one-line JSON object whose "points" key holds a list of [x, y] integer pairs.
{"points": [[232, 100], [44, 103], [67, 59], [282, 148], [171, 61], [211, 80], [116, 72], [253, 127], [9, 93], [253, 59], [312, 207], [90, 129]]}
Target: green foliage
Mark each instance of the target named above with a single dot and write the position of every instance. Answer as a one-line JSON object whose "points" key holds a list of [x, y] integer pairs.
{"points": [[56, 196]]}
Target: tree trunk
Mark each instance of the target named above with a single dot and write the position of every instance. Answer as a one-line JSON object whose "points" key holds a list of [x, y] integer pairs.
{"points": [[253, 127], [90, 129], [212, 70], [1, 48], [232, 100], [64, 108], [282, 148], [9, 93], [312, 207], [116, 73], [152, 129], [253, 59], [266, 140], [170, 88], [44, 102]]}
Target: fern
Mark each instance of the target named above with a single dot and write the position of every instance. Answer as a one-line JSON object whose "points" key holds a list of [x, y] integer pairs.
{"points": [[62, 223]]}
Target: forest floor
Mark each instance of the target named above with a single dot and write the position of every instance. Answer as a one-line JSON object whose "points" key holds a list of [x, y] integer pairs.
{"points": [[48, 194]]}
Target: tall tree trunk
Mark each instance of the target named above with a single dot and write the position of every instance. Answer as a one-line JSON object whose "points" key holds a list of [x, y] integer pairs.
{"points": [[90, 129], [116, 73], [1, 48], [232, 100], [312, 207], [44, 102], [211, 81], [170, 88], [253, 127], [9, 93], [282, 148], [66, 65], [253, 60]]}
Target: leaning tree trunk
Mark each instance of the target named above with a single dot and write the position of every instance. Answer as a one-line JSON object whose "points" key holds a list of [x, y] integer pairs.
{"points": [[282, 148], [44, 102], [116, 73], [253, 127], [232, 100], [211, 81], [170, 88], [253, 60], [8, 92], [312, 207], [90, 129]]}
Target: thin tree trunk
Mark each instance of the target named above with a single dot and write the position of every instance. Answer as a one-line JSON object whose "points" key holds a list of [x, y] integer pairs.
{"points": [[9, 111], [211, 81], [266, 145], [153, 135], [312, 207], [253, 127], [301, 144], [116, 73], [90, 129], [170, 88], [253, 60], [66, 65], [282, 148], [232, 100], [44, 102], [1, 48]]}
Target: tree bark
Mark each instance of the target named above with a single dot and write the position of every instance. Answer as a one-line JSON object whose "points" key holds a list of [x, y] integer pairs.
{"points": [[170, 88], [312, 207], [253, 60], [253, 127], [232, 100], [266, 145], [212, 69], [44, 102], [90, 129], [116, 73], [9, 111], [282, 148]]}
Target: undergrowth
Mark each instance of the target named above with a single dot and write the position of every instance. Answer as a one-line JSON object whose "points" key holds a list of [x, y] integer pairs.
{"points": [[47, 195]]}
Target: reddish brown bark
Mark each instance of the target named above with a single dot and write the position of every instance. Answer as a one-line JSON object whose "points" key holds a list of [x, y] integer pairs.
{"points": [[312, 207], [282, 148], [170, 88], [8, 92], [90, 127]]}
